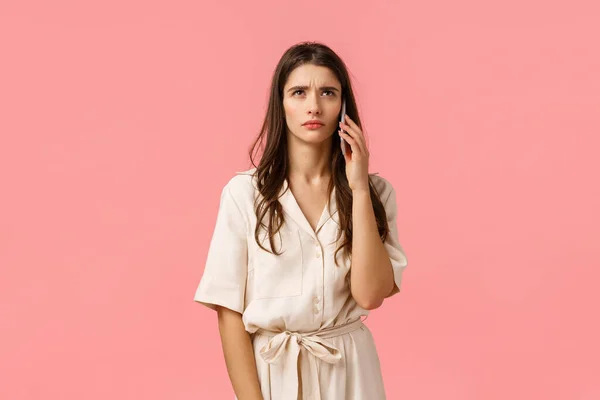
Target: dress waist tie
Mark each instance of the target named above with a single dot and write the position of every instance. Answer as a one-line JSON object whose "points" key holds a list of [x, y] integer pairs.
{"points": [[287, 345]]}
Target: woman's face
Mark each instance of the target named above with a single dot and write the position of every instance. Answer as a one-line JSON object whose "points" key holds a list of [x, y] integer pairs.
{"points": [[312, 92]]}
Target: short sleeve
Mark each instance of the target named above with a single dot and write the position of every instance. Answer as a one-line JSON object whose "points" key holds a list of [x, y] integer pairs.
{"points": [[224, 279], [392, 243]]}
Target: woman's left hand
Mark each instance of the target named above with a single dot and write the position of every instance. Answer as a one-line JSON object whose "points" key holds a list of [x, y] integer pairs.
{"points": [[357, 161]]}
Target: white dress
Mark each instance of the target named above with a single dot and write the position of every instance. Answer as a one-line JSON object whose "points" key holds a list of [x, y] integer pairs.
{"points": [[307, 332]]}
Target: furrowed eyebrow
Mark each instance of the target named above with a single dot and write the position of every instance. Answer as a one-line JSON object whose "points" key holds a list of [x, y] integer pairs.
{"points": [[332, 88]]}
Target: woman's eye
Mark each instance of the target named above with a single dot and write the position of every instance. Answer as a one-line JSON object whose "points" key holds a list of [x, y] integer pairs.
{"points": [[326, 91]]}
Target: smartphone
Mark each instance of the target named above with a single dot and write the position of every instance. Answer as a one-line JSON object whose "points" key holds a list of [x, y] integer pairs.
{"points": [[342, 119]]}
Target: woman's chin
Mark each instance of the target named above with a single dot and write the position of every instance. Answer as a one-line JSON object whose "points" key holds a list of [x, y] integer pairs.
{"points": [[315, 137]]}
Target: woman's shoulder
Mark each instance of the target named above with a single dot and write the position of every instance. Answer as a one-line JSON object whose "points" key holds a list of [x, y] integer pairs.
{"points": [[382, 185], [241, 185], [249, 172]]}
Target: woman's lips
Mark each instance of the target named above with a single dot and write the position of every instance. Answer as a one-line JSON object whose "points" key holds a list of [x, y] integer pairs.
{"points": [[313, 126]]}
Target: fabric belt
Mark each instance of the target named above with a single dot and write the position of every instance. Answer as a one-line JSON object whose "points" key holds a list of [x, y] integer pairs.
{"points": [[285, 346]]}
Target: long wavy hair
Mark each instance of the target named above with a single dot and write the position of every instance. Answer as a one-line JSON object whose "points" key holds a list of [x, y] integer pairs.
{"points": [[272, 169]]}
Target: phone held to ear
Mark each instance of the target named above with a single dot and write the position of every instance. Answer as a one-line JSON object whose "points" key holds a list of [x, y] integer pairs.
{"points": [[342, 119]]}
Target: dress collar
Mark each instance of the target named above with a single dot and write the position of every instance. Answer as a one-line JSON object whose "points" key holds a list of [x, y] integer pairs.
{"points": [[292, 209]]}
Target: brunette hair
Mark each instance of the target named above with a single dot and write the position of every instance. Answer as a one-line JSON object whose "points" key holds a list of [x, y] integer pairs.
{"points": [[272, 168]]}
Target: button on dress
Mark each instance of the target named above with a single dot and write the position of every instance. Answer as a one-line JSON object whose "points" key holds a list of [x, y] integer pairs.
{"points": [[307, 332]]}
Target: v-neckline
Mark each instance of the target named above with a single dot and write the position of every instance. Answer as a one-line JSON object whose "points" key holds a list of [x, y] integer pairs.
{"points": [[292, 208]]}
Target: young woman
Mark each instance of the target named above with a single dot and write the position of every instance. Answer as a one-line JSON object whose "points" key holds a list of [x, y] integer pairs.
{"points": [[305, 244]]}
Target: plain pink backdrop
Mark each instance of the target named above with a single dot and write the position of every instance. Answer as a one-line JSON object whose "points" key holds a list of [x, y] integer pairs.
{"points": [[120, 123]]}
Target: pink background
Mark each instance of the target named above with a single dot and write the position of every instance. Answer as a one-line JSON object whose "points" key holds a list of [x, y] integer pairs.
{"points": [[121, 121]]}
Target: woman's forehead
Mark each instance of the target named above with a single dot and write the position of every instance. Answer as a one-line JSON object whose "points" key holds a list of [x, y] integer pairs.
{"points": [[312, 76]]}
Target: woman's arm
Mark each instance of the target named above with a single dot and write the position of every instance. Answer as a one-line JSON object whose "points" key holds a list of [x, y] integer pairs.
{"points": [[371, 275], [372, 271], [239, 355]]}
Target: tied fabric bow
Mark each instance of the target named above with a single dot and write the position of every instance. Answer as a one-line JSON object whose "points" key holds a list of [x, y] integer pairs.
{"points": [[287, 345]]}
